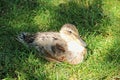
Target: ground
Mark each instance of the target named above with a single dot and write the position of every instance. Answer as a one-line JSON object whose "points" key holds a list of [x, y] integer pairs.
{"points": [[98, 23]]}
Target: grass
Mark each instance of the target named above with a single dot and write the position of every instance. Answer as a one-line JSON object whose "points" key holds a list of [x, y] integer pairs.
{"points": [[98, 22]]}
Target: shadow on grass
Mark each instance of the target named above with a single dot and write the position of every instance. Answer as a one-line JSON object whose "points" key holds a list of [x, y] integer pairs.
{"points": [[17, 16], [86, 15]]}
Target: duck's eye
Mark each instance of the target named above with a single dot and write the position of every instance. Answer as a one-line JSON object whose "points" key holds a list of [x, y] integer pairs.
{"points": [[70, 31]]}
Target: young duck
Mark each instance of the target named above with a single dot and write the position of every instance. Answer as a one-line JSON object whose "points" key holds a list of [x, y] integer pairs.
{"points": [[63, 46]]}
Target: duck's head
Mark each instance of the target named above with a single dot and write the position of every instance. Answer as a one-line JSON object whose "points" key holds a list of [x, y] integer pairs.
{"points": [[70, 33]]}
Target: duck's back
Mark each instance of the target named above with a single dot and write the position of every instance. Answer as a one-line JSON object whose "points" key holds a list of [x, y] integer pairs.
{"points": [[49, 44]]}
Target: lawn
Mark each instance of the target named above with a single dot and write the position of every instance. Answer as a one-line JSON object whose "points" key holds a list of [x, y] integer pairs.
{"points": [[98, 22]]}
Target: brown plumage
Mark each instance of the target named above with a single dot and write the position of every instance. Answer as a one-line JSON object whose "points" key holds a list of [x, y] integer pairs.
{"points": [[63, 46]]}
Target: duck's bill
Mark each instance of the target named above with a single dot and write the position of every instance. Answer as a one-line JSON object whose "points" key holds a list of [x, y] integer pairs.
{"points": [[82, 42]]}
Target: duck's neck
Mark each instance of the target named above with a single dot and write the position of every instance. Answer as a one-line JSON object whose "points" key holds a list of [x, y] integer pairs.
{"points": [[64, 37]]}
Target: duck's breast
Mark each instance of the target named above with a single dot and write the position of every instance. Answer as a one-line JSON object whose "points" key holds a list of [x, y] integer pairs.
{"points": [[76, 52]]}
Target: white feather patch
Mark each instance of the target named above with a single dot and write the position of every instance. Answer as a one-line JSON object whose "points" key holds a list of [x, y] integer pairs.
{"points": [[74, 47]]}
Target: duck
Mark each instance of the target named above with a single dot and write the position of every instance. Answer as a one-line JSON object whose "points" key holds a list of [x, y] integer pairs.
{"points": [[63, 46]]}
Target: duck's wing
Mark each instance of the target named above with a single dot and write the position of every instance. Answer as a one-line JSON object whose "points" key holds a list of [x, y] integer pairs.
{"points": [[56, 54], [82, 42], [52, 45]]}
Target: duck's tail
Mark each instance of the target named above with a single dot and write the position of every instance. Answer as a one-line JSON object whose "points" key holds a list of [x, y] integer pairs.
{"points": [[25, 38]]}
